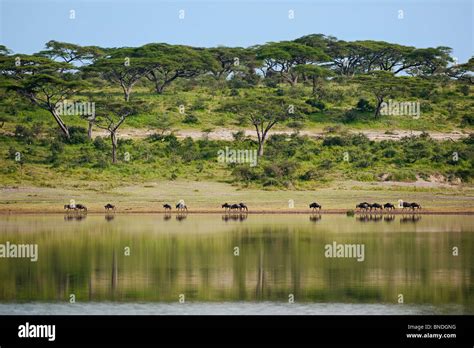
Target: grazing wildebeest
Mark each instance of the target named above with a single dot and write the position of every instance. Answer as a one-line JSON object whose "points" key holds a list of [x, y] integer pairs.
{"points": [[81, 207], [181, 206], [243, 206], [69, 207], [109, 206], [388, 206], [225, 206], [234, 207], [363, 206], [375, 206], [415, 205], [406, 205], [315, 206], [167, 206]]}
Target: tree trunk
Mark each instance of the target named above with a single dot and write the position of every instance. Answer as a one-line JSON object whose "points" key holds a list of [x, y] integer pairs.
{"points": [[379, 106], [113, 137], [61, 123], [261, 142], [159, 88], [126, 91], [89, 129]]}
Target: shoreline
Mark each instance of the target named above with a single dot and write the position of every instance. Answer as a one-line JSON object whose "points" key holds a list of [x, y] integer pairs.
{"points": [[251, 212]]}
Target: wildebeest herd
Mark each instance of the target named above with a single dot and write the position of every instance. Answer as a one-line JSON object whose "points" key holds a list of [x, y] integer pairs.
{"points": [[235, 207], [365, 206], [241, 207]]}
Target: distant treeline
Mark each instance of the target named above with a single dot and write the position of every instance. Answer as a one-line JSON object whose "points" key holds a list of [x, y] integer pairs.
{"points": [[65, 71]]}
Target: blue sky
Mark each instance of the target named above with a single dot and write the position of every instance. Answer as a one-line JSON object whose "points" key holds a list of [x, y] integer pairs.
{"points": [[26, 25]]}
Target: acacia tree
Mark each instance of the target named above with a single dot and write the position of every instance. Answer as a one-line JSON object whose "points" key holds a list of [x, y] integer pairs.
{"points": [[111, 116], [384, 84], [41, 81], [166, 63], [227, 58], [125, 66], [463, 72], [282, 57], [315, 73], [264, 112], [69, 52]]}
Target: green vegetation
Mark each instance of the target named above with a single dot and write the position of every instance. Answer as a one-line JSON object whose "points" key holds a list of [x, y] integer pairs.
{"points": [[314, 82]]}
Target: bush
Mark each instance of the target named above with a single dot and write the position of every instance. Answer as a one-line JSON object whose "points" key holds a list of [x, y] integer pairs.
{"points": [[316, 104], [467, 120], [310, 174], [363, 105], [78, 135], [190, 119], [24, 133], [239, 135], [334, 141], [464, 90], [100, 144], [350, 116]]}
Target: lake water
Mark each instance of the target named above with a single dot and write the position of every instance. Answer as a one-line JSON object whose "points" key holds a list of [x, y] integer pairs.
{"points": [[240, 264]]}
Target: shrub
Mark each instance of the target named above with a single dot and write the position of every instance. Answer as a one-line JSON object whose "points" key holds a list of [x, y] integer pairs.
{"points": [[316, 104], [24, 133], [334, 141], [363, 105], [78, 135], [467, 120], [190, 119], [349, 116], [239, 135], [100, 144]]}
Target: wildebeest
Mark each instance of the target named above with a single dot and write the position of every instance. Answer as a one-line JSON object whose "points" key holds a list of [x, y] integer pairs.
{"points": [[167, 206], [363, 206], [375, 206], [81, 207], [225, 206], [388, 206], [315, 206], [243, 206], [109, 206], [412, 206], [181, 206], [69, 207], [234, 207]]}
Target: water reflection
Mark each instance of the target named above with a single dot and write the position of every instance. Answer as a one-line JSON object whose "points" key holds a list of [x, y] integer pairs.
{"points": [[315, 217], [75, 216], [234, 216], [412, 218], [109, 216], [142, 258], [369, 217], [181, 216]]}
